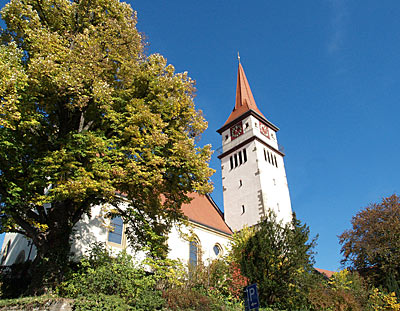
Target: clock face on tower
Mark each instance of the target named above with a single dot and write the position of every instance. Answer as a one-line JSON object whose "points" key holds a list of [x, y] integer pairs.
{"points": [[236, 130], [264, 130]]}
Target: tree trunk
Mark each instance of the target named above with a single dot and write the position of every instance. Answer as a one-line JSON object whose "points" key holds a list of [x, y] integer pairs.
{"points": [[51, 262]]}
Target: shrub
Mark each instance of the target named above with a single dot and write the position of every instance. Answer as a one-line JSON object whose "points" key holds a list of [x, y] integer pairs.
{"points": [[15, 279], [101, 302], [384, 302], [103, 277]]}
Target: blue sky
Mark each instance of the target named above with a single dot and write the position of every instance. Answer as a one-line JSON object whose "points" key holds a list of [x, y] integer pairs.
{"points": [[325, 72]]}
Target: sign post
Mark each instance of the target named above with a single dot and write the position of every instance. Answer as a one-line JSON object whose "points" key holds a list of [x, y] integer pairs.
{"points": [[251, 302]]}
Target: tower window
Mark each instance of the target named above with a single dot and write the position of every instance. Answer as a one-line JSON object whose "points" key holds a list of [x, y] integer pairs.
{"points": [[226, 137], [240, 183], [269, 159], [265, 155], [238, 159], [276, 163], [243, 209]]}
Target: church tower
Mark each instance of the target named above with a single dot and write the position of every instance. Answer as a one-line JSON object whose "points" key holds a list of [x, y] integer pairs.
{"points": [[253, 172]]}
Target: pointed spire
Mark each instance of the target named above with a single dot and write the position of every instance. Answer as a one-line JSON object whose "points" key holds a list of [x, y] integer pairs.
{"points": [[244, 97]]}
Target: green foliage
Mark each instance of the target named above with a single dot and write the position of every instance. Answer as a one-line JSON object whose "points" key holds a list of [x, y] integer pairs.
{"points": [[101, 302], [188, 299], [14, 280], [372, 246], [220, 279], [84, 113], [103, 281], [114, 280], [384, 302], [279, 258], [345, 290], [238, 243]]}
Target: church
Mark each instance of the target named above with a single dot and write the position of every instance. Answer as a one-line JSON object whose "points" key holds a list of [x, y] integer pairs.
{"points": [[253, 179]]}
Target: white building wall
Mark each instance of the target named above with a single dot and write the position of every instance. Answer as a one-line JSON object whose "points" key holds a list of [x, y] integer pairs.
{"points": [[256, 185], [275, 190], [240, 188], [207, 238], [95, 229]]}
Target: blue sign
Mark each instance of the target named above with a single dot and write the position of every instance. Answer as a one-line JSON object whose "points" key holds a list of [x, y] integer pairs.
{"points": [[251, 298]]}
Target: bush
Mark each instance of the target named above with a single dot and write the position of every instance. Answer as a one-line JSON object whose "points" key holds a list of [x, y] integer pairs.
{"points": [[15, 279], [101, 279], [101, 302], [188, 299]]}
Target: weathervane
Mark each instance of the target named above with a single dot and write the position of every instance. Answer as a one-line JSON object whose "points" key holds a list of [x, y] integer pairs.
{"points": [[238, 57]]}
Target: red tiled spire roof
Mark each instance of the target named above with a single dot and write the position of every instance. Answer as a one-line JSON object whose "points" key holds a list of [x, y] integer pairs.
{"points": [[244, 98]]}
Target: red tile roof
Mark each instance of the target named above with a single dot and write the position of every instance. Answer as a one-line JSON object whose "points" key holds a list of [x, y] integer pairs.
{"points": [[202, 210], [327, 273], [244, 98]]}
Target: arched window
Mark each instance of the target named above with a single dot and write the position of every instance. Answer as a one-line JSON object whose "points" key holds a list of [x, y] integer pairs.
{"points": [[116, 230], [217, 250], [193, 253]]}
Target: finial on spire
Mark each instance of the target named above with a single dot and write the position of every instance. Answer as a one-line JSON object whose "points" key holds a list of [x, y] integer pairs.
{"points": [[238, 57]]}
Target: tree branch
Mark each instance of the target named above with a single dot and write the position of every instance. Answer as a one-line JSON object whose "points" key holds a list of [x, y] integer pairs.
{"points": [[30, 231], [81, 123]]}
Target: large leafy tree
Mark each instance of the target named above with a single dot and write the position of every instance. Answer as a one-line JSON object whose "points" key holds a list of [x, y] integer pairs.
{"points": [[372, 245], [86, 115], [279, 258]]}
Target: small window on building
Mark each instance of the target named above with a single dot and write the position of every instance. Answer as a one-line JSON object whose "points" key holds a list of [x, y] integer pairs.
{"points": [[236, 160], [193, 253], [243, 209], [265, 155], [244, 155], [276, 163], [240, 158], [116, 230], [217, 250], [247, 124], [240, 183], [231, 161], [226, 137]]}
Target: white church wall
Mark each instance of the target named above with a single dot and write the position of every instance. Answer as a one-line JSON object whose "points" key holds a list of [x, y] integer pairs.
{"points": [[274, 183], [16, 245], [95, 229], [240, 189], [259, 184], [207, 239]]}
